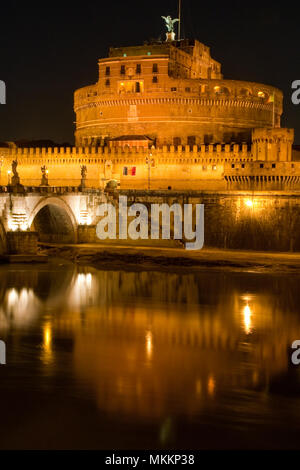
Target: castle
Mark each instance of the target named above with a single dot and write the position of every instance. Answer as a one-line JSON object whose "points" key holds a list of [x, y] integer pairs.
{"points": [[161, 116]]}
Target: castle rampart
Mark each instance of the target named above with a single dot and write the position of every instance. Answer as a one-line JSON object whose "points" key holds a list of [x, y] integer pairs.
{"points": [[211, 166]]}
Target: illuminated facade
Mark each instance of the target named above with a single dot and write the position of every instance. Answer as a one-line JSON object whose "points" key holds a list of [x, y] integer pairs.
{"points": [[174, 93], [161, 116]]}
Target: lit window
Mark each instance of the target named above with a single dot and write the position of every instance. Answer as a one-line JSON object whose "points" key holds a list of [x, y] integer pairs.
{"points": [[261, 94], [131, 86], [214, 167]]}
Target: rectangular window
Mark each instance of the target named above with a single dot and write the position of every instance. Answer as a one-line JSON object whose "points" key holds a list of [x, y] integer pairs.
{"points": [[130, 86], [187, 89], [125, 171], [191, 140], [122, 70], [261, 165], [154, 68], [243, 165], [176, 141], [173, 89], [214, 167], [233, 165], [154, 80], [107, 82], [138, 68], [107, 71], [273, 165]]}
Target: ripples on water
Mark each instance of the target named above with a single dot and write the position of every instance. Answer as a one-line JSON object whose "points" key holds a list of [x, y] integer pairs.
{"points": [[108, 359]]}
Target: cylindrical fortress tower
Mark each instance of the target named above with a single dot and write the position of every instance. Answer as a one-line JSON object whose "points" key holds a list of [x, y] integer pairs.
{"points": [[172, 93]]}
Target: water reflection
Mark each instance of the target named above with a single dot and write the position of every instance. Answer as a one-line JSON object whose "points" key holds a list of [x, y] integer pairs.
{"points": [[154, 347]]}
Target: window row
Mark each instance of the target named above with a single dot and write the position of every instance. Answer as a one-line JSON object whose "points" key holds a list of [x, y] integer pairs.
{"points": [[137, 85], [138, 69]]}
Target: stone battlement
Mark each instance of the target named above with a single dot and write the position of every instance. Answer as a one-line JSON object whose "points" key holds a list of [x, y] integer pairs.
{"points": [[229, 151]]}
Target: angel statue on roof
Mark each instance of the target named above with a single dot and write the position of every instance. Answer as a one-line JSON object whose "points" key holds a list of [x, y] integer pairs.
{"points": [[170, 23]]}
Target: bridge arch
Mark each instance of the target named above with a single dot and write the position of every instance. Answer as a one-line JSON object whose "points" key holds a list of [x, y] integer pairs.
{"points": [[54, 221]]}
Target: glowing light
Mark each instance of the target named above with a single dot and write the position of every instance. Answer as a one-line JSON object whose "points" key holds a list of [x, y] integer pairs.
{"points": [[249, 203], [47, 352], [12, 226], [217, 88], [12, 297], [149, 344], [211, 385], [24, 226], [247, 319], [261, 94], [84, 218]]}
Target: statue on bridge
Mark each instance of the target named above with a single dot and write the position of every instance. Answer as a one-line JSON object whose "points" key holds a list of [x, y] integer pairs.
{"points": [[44, 181], [83, 176], [15, 184], [15, 180]]}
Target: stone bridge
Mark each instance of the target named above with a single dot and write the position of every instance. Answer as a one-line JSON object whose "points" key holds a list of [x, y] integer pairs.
{"points": [[50, 214]]}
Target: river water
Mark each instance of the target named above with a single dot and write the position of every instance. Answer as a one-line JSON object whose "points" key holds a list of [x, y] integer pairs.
{"points": [[143, 360]]}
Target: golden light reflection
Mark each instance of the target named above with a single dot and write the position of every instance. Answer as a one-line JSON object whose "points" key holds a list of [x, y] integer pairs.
{"points": [[249, 203], [47, 351], [149, 344], [20, 305], [247, 319], [211, 385]]}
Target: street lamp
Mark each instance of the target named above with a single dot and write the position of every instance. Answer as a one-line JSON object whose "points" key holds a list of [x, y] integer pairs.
{"points": [[149, 162]]}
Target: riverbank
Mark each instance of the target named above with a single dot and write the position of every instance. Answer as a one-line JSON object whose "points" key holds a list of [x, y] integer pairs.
{"points": [[124, 257]]}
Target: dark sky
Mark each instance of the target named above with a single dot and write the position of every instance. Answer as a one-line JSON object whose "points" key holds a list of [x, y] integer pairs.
{"points": [[48, 49]]}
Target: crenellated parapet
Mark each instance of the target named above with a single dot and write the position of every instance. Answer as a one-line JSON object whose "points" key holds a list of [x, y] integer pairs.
{"points": [[207, 166]]}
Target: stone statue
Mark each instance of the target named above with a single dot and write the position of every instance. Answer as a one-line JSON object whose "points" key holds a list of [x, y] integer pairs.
{"points": [[44, 181], [170, 23], [15, 180], [83, 169]]}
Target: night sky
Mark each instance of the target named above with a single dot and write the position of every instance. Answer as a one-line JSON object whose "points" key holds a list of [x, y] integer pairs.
{"points": [[48, 49]]}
